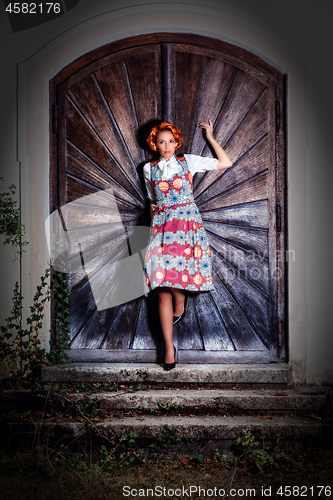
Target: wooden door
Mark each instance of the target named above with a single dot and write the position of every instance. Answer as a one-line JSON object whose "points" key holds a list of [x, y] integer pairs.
{"points": [[103, 107]]}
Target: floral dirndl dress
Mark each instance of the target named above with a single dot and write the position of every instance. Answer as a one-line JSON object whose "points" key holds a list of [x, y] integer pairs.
{"points": [[178, 253]]}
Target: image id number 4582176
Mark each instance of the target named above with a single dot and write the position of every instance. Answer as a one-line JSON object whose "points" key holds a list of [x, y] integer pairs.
{"points": [[304, 491], [33, 8]]}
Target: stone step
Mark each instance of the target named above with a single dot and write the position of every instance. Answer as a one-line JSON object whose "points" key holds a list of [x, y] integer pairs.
{"points": [[216, 401], [153, 374], [302, 399], [182, 436]]}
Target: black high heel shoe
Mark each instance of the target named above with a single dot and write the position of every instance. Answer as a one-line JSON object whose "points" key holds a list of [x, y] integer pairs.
{"points": [[176, 319], [170, 366]]}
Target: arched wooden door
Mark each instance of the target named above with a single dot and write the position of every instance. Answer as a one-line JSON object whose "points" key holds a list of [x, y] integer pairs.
{"points": [[103, 106]]}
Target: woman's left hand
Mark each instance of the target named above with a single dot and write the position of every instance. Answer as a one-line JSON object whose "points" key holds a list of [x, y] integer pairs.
{"points": [[208, 127]]}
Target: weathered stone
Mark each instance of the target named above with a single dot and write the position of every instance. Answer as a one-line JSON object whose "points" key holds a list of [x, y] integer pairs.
{"points": [[218, 401], [206, 433], [150, 373], [297, 399]]}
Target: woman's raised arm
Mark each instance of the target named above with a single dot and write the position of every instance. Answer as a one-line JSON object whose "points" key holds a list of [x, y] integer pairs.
{"points": [[223, 159]]}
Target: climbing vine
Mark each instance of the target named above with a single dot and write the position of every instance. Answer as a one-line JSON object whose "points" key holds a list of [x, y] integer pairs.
{"points": [[10, 219], [20, 345], [61, 323]]}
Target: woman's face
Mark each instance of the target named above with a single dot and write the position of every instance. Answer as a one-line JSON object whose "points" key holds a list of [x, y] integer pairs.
{"points": [[166, 144]]}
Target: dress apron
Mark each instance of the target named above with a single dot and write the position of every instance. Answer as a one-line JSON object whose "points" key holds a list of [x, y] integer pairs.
{"points": [[178, 253]]}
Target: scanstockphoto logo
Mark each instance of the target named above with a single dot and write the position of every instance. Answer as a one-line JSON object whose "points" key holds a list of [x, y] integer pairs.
{"points": [[88, 237], [236, 263], [26, 15]]}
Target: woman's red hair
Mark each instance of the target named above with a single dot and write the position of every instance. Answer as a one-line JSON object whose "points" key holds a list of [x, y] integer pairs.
{"points": [[152, 137]]}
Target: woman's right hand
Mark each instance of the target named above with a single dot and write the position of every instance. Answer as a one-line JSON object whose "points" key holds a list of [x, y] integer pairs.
{"points": [[208, 128]]}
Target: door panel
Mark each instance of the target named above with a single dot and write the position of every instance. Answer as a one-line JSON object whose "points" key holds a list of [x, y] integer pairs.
{"points": [[106, 108]]}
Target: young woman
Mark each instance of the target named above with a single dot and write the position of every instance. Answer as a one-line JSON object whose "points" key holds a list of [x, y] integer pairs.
{"points": [[178, 256]]}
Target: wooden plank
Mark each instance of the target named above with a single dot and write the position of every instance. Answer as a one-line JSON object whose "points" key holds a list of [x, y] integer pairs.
{"points": [[254, 240], [88, 325], [248, 263], [239, 329], [184, 356], [83, 168], [216, 84], [77, 189], [274, 249], [281, 310], [79, 216], [187, 332], [110, 240], [230, 53], [185, 74], [249, 214], [144, 83], [252, 190], [76, 281], [242, 101], [224, 53], [113, 81], [93, 247], [91, 336], [254, 162], [113, 356], [252, 129], [89, 99], [144, 338], [90, 329], [120, 333], [95, 262], [223, 357], [85, 138], [98, 215], [213, 331], [252, 301], [114, 279], [82, 306]]}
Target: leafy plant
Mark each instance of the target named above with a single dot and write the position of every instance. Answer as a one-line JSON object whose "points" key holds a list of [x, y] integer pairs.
{"points": [[130, 438], [10, 219], [61, 324], [199, 458], [132, 455], [169, 406], [217, 457], [168, 437], [77, 463], [22, 345], [252, 454]]}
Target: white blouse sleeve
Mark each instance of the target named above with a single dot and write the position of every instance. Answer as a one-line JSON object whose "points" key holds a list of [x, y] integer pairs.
{"points": [[200, 163], [149, 187]]}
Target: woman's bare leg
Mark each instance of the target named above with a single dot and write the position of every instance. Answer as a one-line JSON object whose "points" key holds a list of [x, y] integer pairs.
{"points": [[179, 297], [165, 309]]}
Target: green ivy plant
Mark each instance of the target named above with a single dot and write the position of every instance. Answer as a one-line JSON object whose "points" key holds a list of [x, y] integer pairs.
{"points": [[10, 219], [251, 453], [20, 346], [61, 324]]}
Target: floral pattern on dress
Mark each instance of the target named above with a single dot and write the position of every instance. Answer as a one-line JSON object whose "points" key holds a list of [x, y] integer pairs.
{"points": [[178, 253]]}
